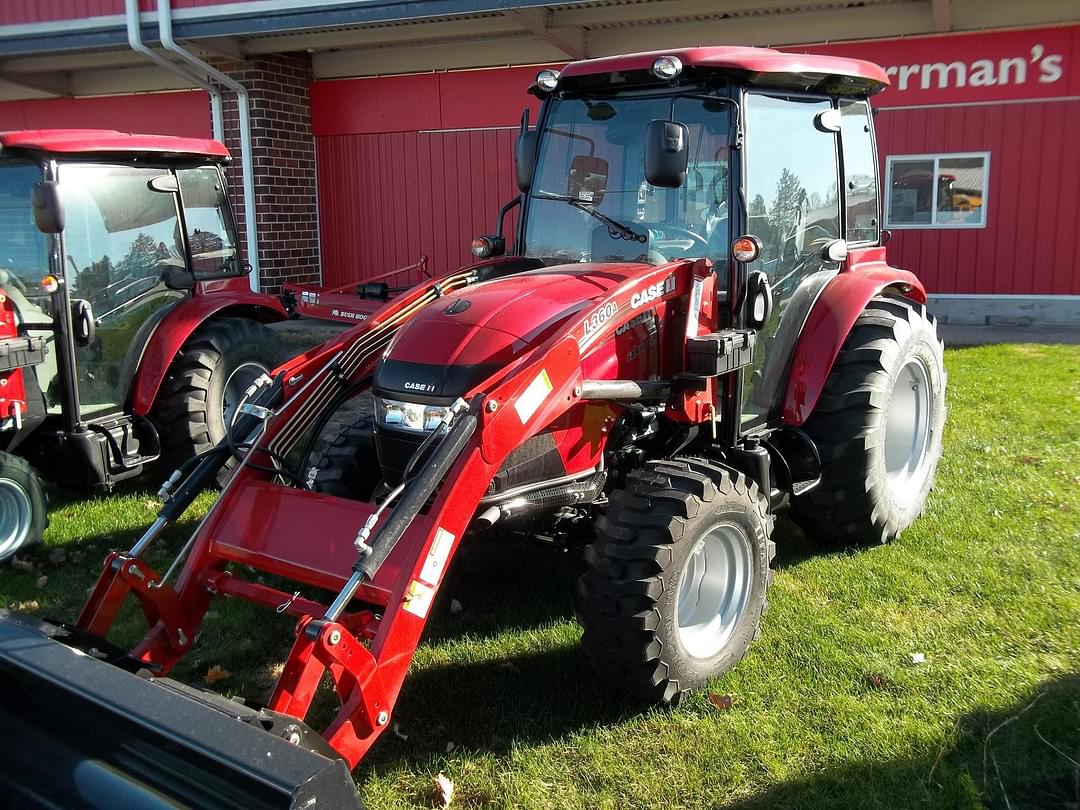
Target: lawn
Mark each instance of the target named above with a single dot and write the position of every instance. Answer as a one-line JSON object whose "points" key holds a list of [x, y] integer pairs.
{"points": [[829, 709]]}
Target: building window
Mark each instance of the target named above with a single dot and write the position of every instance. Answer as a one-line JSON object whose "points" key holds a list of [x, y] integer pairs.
{"points": [[937, 191]]}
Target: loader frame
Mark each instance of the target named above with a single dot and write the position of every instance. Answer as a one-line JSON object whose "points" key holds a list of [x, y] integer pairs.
{"points": [[384, 583]]}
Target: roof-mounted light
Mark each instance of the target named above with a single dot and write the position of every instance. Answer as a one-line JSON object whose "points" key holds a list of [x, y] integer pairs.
{"points": [[547, 80], [667, 67]]}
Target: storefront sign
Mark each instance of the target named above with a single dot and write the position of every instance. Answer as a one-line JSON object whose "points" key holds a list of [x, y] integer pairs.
{"points": [[953, 69]]}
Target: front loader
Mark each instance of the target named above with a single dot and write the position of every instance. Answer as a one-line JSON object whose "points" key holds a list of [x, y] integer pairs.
{"points": [[695, 329]]}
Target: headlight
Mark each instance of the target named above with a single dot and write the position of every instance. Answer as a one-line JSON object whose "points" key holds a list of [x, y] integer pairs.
{"points": [[393, 413]]}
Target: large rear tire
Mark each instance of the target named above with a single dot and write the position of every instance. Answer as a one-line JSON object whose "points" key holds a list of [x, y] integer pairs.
{"points": [[676, 580], [206, 383], [23, 506], [878, 427]]}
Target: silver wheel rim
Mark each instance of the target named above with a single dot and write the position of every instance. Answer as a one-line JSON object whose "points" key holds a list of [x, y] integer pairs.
{"points": [[714, 590], [239, 382], [908, 429], [16, 515]]}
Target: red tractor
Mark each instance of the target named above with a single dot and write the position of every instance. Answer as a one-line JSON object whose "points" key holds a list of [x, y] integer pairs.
{"points": [[696, 328], [128, 329]]}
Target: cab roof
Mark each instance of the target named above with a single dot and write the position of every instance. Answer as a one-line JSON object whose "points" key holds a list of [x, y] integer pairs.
{"points": [[756, 66], [101, 142]]}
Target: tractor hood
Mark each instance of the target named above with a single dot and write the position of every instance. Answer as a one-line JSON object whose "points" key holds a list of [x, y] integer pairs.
{"points": [[458, 341]]}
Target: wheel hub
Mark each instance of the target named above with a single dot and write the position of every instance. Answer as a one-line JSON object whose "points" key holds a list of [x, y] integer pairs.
{"points": [[16, 515], [909, 429], [239, 381], [714, 590]]}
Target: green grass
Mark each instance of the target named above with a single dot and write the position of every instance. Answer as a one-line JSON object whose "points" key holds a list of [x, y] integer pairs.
{"points": [[829, 710]]}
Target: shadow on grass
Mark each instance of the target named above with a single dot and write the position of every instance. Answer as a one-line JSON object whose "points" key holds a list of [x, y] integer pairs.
{"points": [[1024, 757], [491, 705]]}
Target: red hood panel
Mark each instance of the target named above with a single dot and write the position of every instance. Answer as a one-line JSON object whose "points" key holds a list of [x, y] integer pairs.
{"points": [[505, 316]]}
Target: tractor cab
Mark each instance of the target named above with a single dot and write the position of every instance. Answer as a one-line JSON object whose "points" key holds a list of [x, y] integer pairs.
{"points": [[759, 162], [137, 235], [119, 257]]}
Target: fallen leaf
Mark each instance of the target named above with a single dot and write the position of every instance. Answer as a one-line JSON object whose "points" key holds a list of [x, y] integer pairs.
{"points": [[875, 680], [216, 673], [918, 658], [30, 604], [450, 747], [1030, 460], [444, 790], [57, 556], [21, 565], [455, 606], [42, 581], [396, 728], [722, 702], [152, 505]]}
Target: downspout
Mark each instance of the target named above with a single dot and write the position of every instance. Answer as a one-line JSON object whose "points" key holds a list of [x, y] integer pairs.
{"points": [[134, 33], [244, 105]]}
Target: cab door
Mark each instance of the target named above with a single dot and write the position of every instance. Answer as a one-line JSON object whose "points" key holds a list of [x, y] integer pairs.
{"points": [[792, 181], [121, 238]]}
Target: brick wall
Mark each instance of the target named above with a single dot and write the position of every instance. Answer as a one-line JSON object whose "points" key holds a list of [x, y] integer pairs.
{"points": [[283, 153]]}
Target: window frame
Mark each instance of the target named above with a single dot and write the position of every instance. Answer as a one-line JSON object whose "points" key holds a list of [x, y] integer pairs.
{"points": [[936, 157]]}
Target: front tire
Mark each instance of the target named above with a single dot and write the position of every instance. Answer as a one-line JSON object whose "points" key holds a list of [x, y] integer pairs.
{"points": [[878, 427], [675, 584], [348, 466], [23, 506], [206, 383]]}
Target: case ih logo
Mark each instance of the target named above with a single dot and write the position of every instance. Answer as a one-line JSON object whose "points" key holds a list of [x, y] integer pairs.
{"points": [[652, 292]]}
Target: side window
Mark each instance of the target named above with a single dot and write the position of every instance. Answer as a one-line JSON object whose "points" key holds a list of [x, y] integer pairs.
{"points": [[860, 172], [791, 185], [210, 231], [23, 248]]}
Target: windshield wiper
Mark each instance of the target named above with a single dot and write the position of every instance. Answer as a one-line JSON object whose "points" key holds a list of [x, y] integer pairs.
{"points": [[616, 229]]}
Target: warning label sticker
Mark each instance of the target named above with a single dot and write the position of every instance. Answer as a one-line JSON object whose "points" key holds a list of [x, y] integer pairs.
{"points": [[435, 563], [533, 396], [418, 598]]}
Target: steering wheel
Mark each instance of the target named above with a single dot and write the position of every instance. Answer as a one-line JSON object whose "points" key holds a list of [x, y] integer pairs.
{"points": [[7, 277], [673, 235]]}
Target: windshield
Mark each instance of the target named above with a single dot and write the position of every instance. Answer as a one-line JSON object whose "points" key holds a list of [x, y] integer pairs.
{"points": [[590, 200]]}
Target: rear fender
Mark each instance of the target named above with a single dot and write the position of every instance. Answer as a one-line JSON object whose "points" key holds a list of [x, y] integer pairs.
{"points": [[831, 320], [182, 321]]}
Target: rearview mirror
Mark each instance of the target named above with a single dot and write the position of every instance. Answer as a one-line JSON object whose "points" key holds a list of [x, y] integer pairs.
{"points": [[48, 208], [525, 159], [588, 179], [667, 150], [177, 278]]}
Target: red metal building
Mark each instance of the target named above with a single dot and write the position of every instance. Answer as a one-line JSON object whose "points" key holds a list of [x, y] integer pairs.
{"points": [[974, 137]]}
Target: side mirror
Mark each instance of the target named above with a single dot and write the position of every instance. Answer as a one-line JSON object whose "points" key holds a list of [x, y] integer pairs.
{"points": [[588, 179], [48, 208], [835, 250], [667, 151], [177, 278], [525, 159], [759, 300]]}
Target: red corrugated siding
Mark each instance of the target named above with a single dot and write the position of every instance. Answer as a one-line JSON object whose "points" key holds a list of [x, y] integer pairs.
{"points": [[184, 113], [1028, 246], [386, 199]]}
